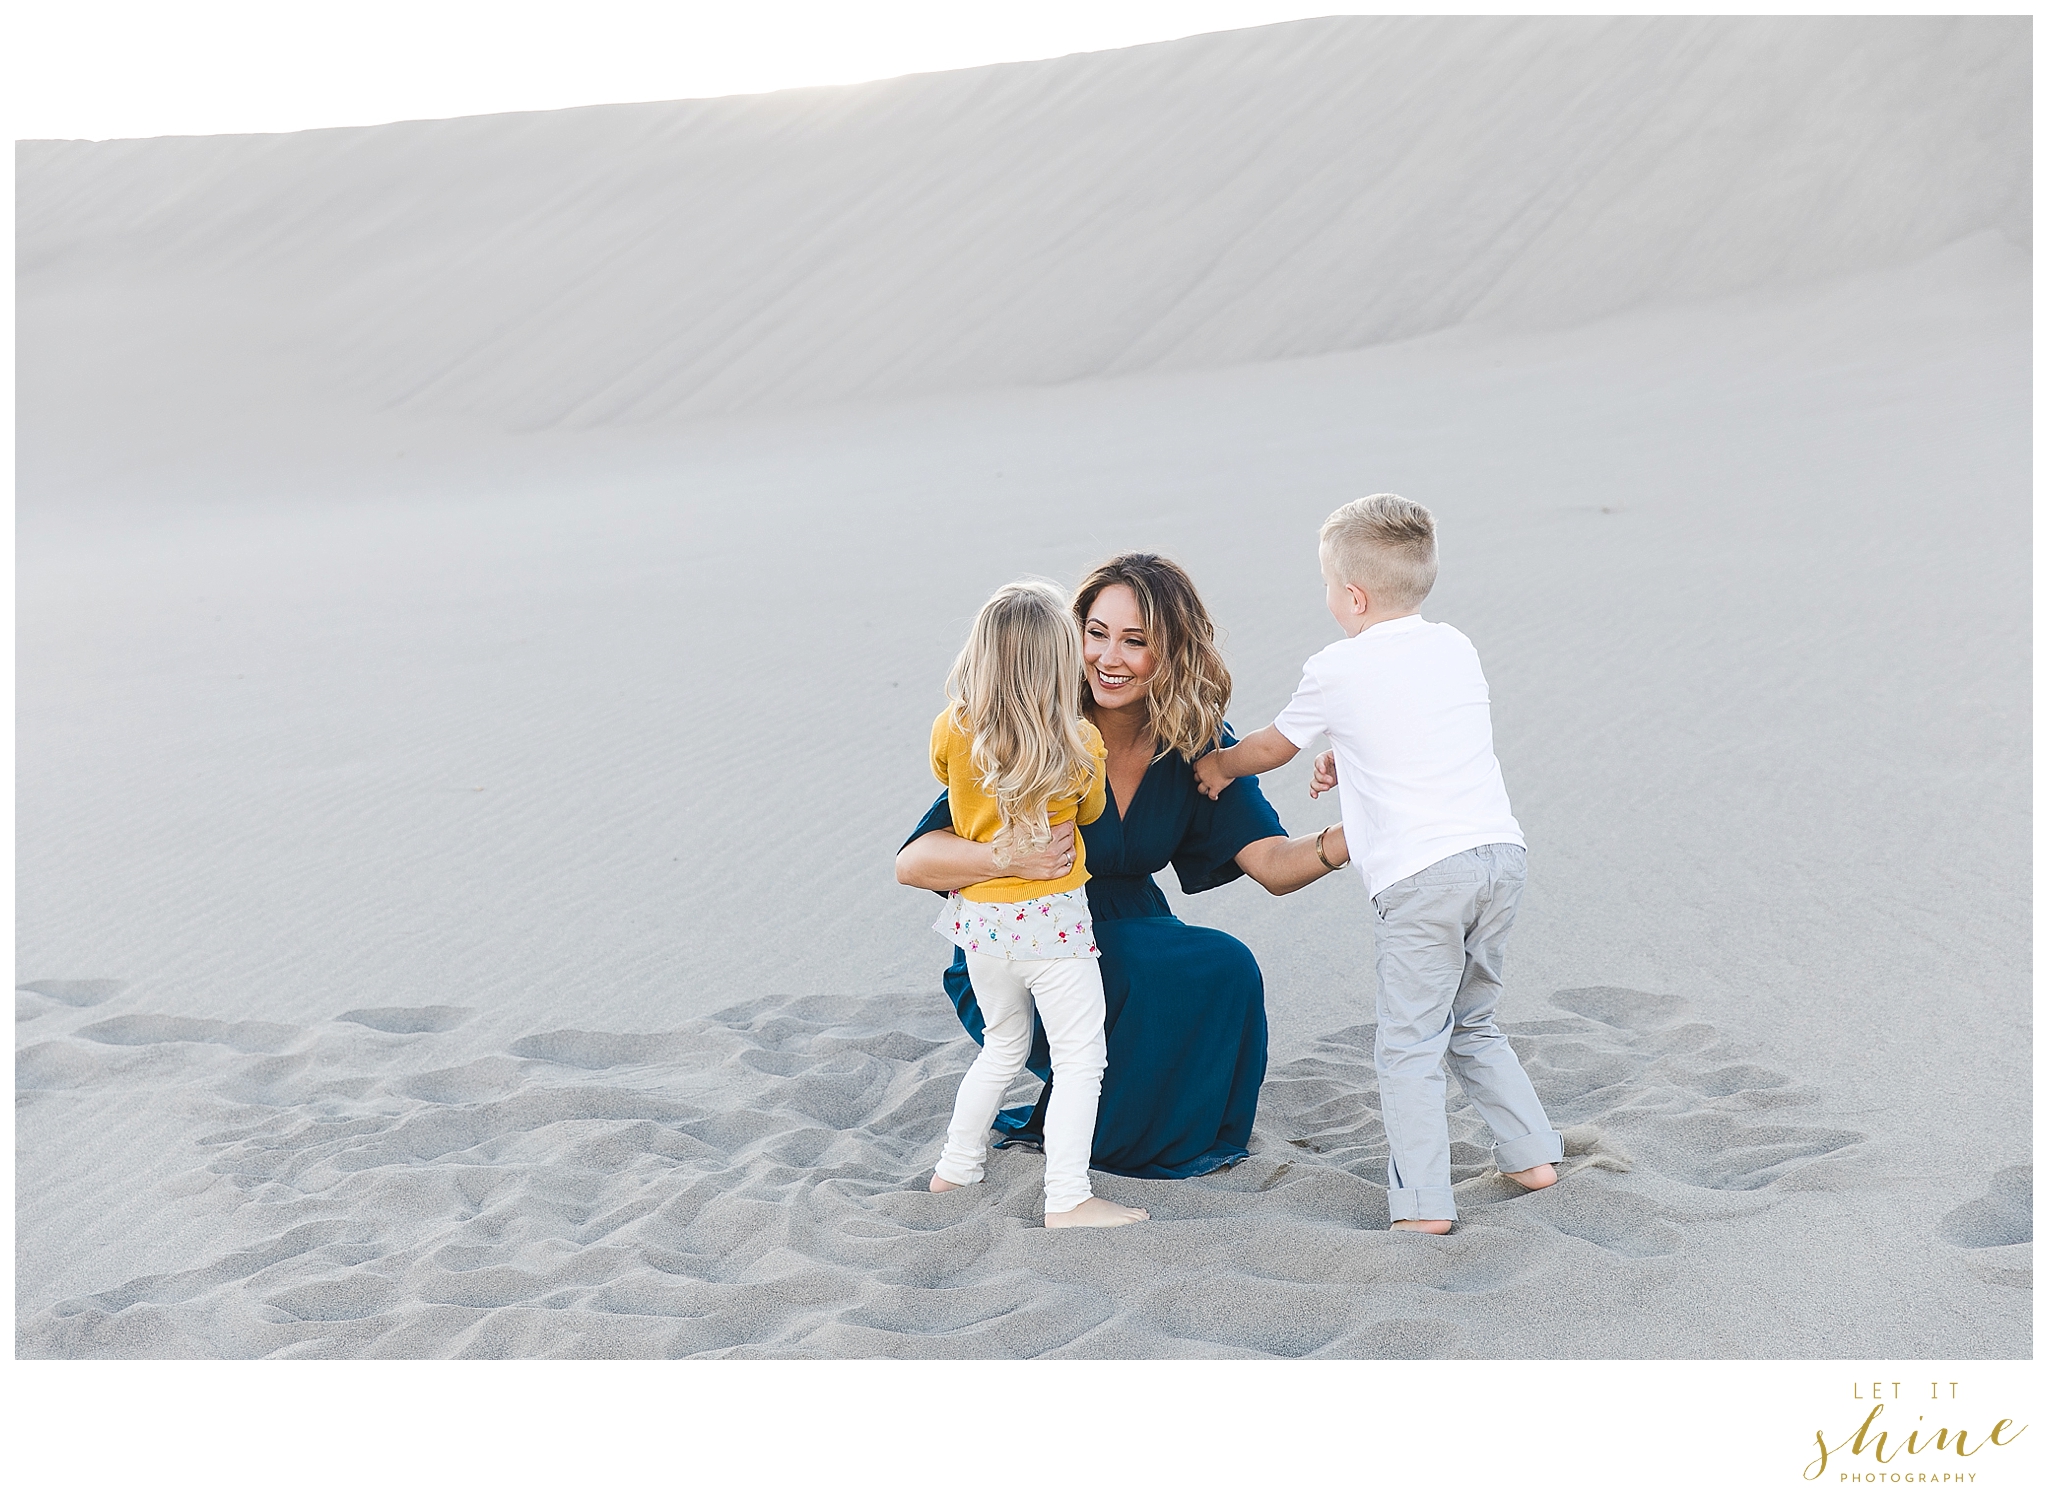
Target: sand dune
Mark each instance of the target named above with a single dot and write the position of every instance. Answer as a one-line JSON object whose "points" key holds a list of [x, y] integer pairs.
{"points": [[1289, 190], [449, 618]]}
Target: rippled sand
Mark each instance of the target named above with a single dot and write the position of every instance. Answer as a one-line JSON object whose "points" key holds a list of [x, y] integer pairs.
{"points": [[388, 1183]]}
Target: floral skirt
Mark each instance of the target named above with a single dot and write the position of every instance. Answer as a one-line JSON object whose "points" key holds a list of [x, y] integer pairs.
{"points": [[1056, 926]]}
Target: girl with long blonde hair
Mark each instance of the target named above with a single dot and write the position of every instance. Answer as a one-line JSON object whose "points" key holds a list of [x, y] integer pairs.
{"points": [[1186, 1003], [1017, 759]]}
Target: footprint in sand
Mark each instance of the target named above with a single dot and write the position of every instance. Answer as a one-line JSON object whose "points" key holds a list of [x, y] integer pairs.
{"points": [[409, 1020], [40, 997], [2003, 1216], [1995, 1233], [149, 1031], [78, 992]]}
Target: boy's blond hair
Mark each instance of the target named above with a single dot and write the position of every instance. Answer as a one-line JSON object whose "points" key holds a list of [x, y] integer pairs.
{"points": [[1386, 545]]}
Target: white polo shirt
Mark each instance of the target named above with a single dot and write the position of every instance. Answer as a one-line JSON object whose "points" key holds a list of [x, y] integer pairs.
{"points": [[1405, 707]]}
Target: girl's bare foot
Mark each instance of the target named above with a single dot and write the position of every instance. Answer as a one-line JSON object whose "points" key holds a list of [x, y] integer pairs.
{"points": [[940, 1185], [1095, 1213], [1424, 1226], [1542, 1175]]}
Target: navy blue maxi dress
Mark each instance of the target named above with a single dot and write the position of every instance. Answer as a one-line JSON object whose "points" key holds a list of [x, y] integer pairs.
{"points": [[1185, 1007]]}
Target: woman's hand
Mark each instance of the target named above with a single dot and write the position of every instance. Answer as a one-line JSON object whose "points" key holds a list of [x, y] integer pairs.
{"points": [[944, 861], [1324, 778], [1052, 862]]}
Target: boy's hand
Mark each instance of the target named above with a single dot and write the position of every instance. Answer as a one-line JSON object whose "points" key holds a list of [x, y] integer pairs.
{"points": [[1209, 775], [1324, 777]]}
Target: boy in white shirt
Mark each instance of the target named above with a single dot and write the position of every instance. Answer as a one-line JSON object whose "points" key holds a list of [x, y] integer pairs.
{"points": [[1426, 817]]}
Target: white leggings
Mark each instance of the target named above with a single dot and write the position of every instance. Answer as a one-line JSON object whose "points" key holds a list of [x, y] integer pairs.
{"points": [[1068, 992]]}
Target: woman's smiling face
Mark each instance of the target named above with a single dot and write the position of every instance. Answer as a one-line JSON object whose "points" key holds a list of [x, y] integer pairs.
{"points": [[1120, 659]]}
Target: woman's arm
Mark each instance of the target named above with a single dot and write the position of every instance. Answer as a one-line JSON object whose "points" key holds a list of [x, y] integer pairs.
{"points": [[1282, 865], [942, 861]]}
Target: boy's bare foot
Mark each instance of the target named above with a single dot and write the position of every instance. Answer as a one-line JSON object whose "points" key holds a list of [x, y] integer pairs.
{"points": [[1424, 1226], [1095, 1213], [1542, 1175], [940, 1185]]}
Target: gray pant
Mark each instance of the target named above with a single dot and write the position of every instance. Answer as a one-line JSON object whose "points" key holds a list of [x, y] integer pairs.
{"points": [[1443, 933]]}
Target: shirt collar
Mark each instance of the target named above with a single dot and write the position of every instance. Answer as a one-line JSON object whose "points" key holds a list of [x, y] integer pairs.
{"points": [[1393, 627]]}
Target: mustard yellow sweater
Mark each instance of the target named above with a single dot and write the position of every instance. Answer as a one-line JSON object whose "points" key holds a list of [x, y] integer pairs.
{"points": [[975, 815]]}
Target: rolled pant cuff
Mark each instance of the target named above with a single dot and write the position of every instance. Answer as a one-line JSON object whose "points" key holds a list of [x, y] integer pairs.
{"points": [[1531, 1150], [1421, 1203], [1065, 1202], [959, 1167]]}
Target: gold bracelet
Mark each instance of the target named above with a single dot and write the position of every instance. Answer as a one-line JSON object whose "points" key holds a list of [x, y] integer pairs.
{"points": [[1326, 858]]}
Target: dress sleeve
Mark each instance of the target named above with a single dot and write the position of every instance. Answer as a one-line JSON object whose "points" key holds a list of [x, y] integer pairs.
{"points": [[941, 741], [1206, 856], [938, 818]]}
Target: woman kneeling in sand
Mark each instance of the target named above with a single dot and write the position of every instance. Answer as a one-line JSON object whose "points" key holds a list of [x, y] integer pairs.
{"points": [[1185, 1008]]}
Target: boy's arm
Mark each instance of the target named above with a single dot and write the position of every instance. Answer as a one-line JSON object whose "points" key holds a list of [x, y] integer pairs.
{"points": [[1263, 750]]}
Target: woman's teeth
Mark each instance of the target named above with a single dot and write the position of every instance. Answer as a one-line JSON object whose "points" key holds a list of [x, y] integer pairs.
{"points": [[1111, 682]]}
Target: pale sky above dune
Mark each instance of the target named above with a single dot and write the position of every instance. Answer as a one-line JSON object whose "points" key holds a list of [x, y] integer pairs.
{"points": [[121, 68]]}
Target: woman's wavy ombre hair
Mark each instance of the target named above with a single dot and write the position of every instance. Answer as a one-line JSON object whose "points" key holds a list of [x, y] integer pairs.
{"points": [[1191, 689], [1016, 689]]}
